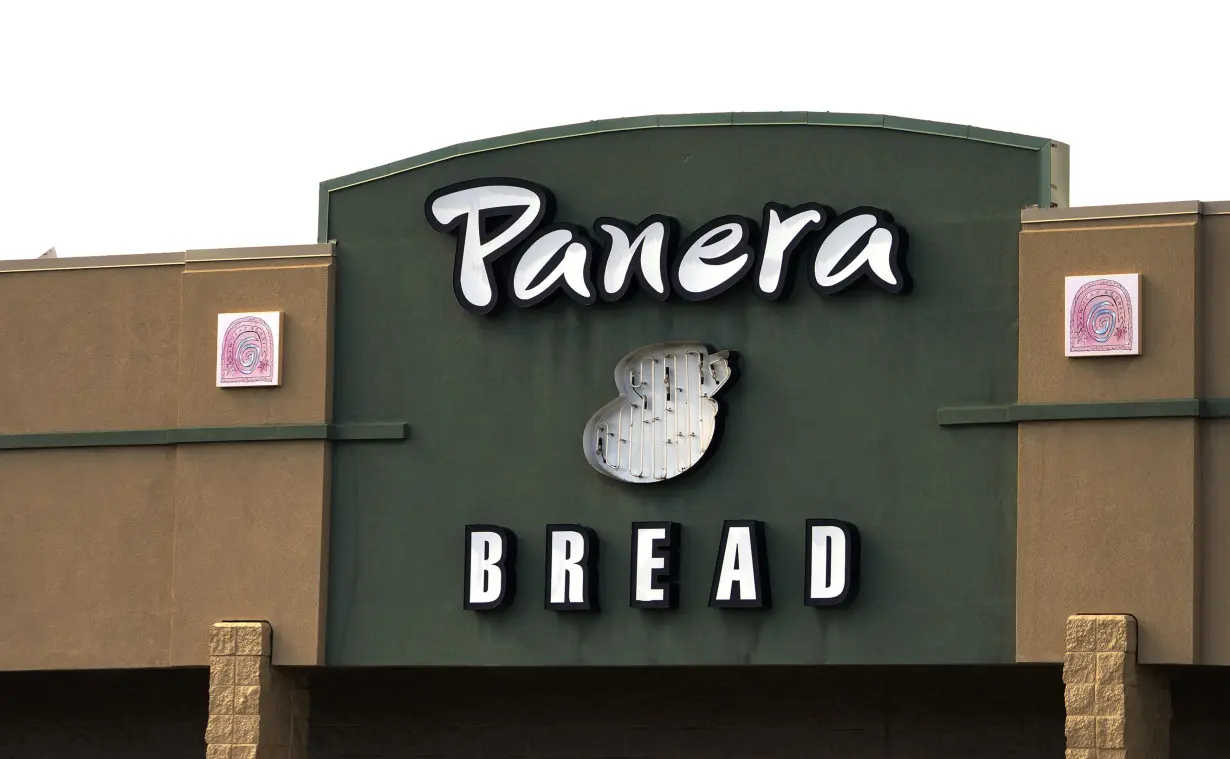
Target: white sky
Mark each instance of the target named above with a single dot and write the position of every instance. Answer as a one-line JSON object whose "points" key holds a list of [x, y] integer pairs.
{"points": [[142, 127]]}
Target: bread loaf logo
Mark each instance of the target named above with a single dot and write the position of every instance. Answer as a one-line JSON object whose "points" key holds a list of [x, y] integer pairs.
{"points": [[666, 417]]}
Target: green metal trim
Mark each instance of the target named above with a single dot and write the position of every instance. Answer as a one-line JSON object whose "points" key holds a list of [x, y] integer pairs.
{"points": [[322, 216], [846, 119], [1215, 408], [84, 439], [370, 431], [894, 123], [920, 126], [1011, 139], [953, 416], [762, 118], [1044, 175], [1048, 412], [184, 435], [1166, 408], [248, 434], [695, 119]]}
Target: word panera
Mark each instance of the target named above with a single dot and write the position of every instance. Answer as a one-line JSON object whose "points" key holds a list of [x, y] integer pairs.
{"points": [[491, 217], [740, 574]]}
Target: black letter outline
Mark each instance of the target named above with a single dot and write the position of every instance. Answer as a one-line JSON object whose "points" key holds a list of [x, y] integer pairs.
{"points": [[506, 564], [745, 246], [589, 568], [853, 560], [578, 236], [607, 244], [760, 568], [665, 579], [789, 263], [896, 255], [546, 212]]}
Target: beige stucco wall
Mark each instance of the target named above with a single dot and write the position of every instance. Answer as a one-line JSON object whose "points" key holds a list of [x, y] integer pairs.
{"points": [[255, 556], [1215, 442], [1214, 541], [1106, 524], [1108, 510], [123, 556], [302, 291], [1215, 306], [86, 539], [1164, 251], [89, 349]]}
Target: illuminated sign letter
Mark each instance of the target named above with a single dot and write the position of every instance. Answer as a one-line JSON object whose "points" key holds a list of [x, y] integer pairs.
{"points": [[832, 562], [495, 216], [468, 210], [870, 243], [655, 565], [558, 257], [714, 258], [741, 577], [572, 568], [639, 252], [782, 230], [490, 579]]}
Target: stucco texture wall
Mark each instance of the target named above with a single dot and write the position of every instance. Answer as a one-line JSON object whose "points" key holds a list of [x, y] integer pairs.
{"points": [[1165, 254], [123, 555], [1107, 510], [1106, 525], [90, 349], [1214, 531]]}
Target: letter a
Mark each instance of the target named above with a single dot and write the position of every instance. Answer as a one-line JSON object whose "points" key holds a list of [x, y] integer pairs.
{"points": [[741, 577]]}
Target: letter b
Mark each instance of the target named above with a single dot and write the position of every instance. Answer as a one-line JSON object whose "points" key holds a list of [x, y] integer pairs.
{"points": [[490, 555]]}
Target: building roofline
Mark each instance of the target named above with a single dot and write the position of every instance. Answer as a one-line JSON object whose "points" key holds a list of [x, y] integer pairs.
{"points": [[785, 118], [1126, 211], [314, 250]]}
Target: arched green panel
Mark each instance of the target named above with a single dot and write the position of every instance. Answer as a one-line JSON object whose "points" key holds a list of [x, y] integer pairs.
{"points": [[833, 415]]}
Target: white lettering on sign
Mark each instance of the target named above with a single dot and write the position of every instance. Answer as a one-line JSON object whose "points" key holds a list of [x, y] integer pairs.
{"points": [[740, 575], [877, 256], [655, 554], [466, 210], [626, 246], [784, 229], [714, 258], [492, 217], [489, 573], [832, 562], [556, 258], [572, 570]]}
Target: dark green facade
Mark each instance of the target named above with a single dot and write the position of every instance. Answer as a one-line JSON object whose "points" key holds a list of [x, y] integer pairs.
{"points": [[834, 414]]}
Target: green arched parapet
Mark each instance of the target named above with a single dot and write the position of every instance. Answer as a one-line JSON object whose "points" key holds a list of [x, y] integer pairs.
{"points": [[1052, 155]]}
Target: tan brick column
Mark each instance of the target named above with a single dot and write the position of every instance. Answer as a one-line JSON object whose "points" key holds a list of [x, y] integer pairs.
{"points": [[255, 710], [1116, 708]]}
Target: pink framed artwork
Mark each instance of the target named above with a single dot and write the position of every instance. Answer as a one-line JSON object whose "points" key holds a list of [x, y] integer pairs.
{"points": [[1102, 315], [249, 351]]}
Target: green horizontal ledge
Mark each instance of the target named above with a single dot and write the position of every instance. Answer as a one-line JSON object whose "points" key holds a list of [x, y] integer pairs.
{"points": [[1011, 413], [183, 435]]}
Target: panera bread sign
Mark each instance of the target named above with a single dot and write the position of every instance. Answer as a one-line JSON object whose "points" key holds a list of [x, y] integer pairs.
{"points": [[492, 218], [666, 416]]}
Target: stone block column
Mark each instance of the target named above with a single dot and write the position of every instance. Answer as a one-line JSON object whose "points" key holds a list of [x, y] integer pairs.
{"points": [[1116, 709], [255, 710]]}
